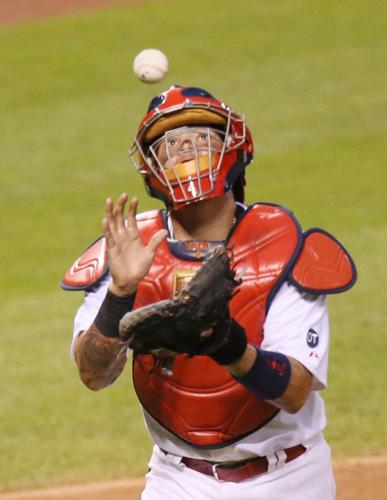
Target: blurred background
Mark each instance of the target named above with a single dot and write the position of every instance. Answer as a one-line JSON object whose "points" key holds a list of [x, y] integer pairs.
{"points": [[310, 77]]}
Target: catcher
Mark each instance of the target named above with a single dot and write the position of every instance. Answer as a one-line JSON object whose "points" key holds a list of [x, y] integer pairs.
{"points": [[224, 308]]}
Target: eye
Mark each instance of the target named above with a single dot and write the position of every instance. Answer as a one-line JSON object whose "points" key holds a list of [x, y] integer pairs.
{"points": [[201, 137], [171, 142]]}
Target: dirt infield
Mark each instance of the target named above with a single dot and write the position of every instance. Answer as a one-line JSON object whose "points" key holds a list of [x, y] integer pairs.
{"points": [[357, 478], [19, 11]]}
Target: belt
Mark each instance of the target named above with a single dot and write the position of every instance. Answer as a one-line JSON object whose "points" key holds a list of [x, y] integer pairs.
{"points": [[246, 469]]}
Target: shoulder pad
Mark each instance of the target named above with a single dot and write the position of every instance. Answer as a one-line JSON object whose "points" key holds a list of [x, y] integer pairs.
{"points": [[88, 269], [92, 265], [323, 265]]}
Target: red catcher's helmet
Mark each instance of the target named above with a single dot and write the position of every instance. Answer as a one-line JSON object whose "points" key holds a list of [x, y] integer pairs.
{"points": [[218, 147]]}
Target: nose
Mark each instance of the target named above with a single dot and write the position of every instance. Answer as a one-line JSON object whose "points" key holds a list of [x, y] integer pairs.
{"points": [[185, 142]]}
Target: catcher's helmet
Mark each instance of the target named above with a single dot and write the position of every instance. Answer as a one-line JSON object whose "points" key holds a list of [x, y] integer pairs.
{"points": [[191, 147]]}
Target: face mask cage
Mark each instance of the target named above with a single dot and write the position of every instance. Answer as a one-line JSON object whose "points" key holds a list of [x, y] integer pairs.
{"points": [[186, 160]]}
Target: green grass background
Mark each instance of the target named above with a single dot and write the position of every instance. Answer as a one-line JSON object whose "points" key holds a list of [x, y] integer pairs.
{"points": [[311, 78]]}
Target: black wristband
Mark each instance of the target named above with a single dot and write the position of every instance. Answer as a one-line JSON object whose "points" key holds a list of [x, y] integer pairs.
{"points": [[111, 311], [234, 347]]}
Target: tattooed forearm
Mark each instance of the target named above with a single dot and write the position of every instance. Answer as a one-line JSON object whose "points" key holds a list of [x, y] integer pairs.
{"points": [[100, 359]]}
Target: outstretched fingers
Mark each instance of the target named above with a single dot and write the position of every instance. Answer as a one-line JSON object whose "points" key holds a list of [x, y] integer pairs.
{"points": [[131, 219], [116, 228], [118, 214], [115, 221]]}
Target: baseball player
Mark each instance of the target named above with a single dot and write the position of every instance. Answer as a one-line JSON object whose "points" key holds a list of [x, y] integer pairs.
{"points": [[244, 421]]}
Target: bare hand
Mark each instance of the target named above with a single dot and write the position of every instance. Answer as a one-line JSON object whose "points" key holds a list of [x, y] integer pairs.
{"points": [[129, 259]]}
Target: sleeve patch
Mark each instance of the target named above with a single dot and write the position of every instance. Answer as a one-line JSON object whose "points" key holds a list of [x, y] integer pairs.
{"points": [[87, 269], [323, 265]]}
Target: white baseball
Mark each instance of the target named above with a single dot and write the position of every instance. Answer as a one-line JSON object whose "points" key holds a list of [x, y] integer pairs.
{"points": [[150, 65]]}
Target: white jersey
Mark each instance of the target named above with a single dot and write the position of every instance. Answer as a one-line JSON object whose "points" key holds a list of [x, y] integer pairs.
{"points": [[296, 325]]}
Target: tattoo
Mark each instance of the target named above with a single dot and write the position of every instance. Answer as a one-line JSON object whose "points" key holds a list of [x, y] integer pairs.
{"points": [[100, 359]]}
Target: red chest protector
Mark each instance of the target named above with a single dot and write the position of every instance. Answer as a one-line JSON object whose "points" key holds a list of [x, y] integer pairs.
{"points": [[200, 402]]}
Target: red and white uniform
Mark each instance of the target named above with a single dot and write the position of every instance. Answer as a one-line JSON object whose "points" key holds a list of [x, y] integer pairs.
{"points": [[278, 315]]}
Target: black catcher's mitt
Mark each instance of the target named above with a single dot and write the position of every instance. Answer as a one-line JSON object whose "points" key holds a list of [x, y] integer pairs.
{"points": [[195, 321]]}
